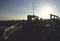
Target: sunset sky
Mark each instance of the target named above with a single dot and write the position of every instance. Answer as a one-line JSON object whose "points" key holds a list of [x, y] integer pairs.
{"points": [[19, 9]]}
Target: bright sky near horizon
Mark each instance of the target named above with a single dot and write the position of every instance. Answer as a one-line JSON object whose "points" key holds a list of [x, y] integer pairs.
{"points": [[19, 9]]}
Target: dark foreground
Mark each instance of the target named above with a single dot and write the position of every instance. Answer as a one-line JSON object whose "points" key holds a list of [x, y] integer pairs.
{"points": [[34, 31]]}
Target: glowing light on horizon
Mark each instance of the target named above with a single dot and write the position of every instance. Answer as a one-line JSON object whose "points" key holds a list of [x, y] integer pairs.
{"points": [[45, 11]]}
